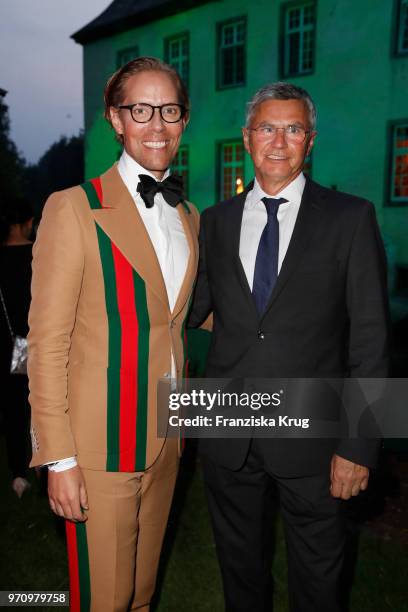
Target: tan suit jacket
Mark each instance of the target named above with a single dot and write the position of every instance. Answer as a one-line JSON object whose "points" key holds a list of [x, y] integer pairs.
{"points": [[101, 330]]}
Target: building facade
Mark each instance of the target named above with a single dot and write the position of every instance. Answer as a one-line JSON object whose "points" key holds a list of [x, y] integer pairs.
{"points": [[352, 56]]}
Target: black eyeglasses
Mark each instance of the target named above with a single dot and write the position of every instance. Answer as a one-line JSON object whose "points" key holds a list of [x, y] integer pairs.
{"points": [[142, 112]]}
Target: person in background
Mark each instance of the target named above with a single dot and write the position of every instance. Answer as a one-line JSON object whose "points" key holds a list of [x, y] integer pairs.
{"points": [[15, 280]]}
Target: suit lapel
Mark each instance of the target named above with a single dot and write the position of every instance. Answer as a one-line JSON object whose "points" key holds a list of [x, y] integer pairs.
{"points": [[123, 224], [308, 218], [233, 228], [191, 235]]}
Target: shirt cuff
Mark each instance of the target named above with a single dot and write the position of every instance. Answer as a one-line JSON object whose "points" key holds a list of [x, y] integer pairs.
{"points": [[62, 465]]}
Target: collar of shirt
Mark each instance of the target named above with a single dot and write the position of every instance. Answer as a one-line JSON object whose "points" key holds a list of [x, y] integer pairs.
{"points": [[292, 192], [129, 171]]}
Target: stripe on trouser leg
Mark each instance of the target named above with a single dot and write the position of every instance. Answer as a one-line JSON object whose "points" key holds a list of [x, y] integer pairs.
{"points": [[78, 563]]}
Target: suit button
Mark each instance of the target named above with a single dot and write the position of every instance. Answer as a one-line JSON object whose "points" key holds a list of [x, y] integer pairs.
{"points": [[261, 335], [172, 323]]}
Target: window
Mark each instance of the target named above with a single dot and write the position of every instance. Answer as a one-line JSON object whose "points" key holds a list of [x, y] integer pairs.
{"points": [[299, 28], [125, 55], [398, 188], [180, 166], [177, 54], [231, 167], [231, 53], [402, 28]]}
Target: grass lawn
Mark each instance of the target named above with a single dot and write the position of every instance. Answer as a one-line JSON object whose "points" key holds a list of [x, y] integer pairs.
{"points": [[33, 554]]}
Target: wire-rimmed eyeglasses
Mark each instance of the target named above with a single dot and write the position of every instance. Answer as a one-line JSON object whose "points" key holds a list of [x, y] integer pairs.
{"points": [[293, 133], [142, 112]]}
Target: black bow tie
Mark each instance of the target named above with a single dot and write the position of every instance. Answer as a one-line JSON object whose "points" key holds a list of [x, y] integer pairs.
{"points": [[172, 189]]}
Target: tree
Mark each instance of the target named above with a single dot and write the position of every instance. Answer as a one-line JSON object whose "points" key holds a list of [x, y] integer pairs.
{"points": [[11, 163], [61, 166]]}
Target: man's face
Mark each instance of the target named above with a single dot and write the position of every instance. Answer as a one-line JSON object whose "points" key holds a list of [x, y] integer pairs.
{"points": [[153, 144], [276, 161]]}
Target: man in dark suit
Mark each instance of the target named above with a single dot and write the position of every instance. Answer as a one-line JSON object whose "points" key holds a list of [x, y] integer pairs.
{"points": [[295, 276]]}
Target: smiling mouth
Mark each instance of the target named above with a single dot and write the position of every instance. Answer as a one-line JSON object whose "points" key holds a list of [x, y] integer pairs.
{"points": [[276, 157], [155, 144]]}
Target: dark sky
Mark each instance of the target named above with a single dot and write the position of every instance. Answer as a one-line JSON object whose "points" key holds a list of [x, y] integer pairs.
{"points": [[41, 68]]}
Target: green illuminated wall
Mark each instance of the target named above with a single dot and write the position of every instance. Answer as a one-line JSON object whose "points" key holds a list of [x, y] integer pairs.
{"points": [[357, 84]]}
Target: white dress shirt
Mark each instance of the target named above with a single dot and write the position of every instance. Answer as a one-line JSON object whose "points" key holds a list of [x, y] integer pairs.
{"points": [[164, 226], [255, 217], [166, 232]]}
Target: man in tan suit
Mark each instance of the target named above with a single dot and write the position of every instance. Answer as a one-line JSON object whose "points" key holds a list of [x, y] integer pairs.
{"points": [[113, 270]]}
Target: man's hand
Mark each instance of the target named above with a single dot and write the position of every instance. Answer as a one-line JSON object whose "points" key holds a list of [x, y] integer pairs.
{"points": [[347, 478], [67, 494]]}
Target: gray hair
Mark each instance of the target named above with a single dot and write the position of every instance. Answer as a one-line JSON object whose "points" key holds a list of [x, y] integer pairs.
{"points": [[281, 91]]}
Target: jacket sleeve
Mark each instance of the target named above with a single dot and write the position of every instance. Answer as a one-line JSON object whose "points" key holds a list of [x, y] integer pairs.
{"points": [[58, 262], [369, 327]]}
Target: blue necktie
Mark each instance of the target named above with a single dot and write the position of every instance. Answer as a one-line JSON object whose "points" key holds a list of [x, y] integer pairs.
{"points": [[266, 263]]}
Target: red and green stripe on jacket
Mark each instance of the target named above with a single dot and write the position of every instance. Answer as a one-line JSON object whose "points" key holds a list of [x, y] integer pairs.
{"points": [[127, 372]]}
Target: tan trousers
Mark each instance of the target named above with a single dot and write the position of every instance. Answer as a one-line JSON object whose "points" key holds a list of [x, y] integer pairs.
{"points": [[113, 556]]}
